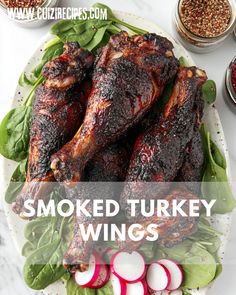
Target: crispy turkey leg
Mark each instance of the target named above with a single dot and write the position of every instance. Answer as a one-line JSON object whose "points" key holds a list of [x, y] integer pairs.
{"points": [[109, 165], [159, 151], [57, 114], [129, 76]]}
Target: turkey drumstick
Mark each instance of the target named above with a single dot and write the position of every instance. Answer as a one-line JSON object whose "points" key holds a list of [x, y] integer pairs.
{"points": [[56, 116], [159, 151], [130, 74]]}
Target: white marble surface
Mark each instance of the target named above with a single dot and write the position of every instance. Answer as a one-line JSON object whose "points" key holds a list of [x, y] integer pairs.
{"points": [[17, 45]]}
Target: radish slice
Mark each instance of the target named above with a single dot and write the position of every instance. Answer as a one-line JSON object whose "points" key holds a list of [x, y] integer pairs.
{"points": [[88, 277], [176, 273], [119, 286], [158, 277], [129, 267], [102, 278], [139, 288]]}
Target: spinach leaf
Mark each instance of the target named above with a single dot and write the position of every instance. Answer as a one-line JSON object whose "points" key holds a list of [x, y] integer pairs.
{"points": [[35, 228], [23, 80], [16, 182], [101, 6], [27, 249], [73, 289], [50, 53], [97, 38], [14, 129], [14, 133], [111, 17], [209, 91], [62, 26], [106, 290], [199, 268], [44, 266], [183, 62], [91, 33], [218, 156], [215, 183], [47, 241]]}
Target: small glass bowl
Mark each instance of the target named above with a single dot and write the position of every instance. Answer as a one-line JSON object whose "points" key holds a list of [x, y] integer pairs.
{"points": [[228, 81], [201, 44], [35, 21]]}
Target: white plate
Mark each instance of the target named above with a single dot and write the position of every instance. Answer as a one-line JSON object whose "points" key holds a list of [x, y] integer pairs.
{"points": [[211, 119]]}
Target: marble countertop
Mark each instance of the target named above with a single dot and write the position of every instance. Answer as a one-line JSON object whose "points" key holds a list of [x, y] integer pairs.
{"points": [[18, 44]]}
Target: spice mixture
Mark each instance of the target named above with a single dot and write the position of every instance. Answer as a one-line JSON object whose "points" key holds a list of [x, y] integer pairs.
{"points": [[205, 18], [23, 3], [233, 76]]}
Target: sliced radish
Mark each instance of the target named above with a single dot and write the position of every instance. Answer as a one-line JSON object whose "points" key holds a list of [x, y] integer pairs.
{"points": [[139, 288], [88, 277], [102, 278], [158, 277], [129, 267], [119, 286], [176, 273]]}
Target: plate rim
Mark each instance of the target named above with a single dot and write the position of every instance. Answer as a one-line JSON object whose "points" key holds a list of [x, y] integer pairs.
{"points": [[14, 103]]}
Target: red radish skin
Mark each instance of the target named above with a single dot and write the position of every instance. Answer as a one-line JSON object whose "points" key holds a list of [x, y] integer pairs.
{"points": [[129, 267], [158, 277], [102, 279], [119, 286], [88, 277], [176, 274], [139, 288]]}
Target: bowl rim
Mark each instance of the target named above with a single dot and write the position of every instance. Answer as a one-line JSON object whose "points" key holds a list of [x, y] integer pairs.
{"points": [[228, 80]]}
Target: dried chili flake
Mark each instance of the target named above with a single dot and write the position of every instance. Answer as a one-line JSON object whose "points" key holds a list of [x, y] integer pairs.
{"points": [[206, 18], [233, 76], [23, 3]]}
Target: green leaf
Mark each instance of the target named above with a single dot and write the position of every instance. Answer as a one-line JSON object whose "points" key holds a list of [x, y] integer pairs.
{"points": [[218, 156], [215, 185], [183, 61], [50, 53], [38, 69], [106, 290], [73, 289], [61, 27], [35, 228], [23, 80], [16, 182], [14, 133], [219, 269], [27, 249], [37, 273], [209, 91], [104, 7], [97, 38], [199, 268]]}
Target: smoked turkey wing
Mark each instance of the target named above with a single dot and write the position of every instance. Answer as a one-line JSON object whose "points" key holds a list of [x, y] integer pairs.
{"points": [[130, 74], [109, 165], [159, 151], [56, 116]]}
